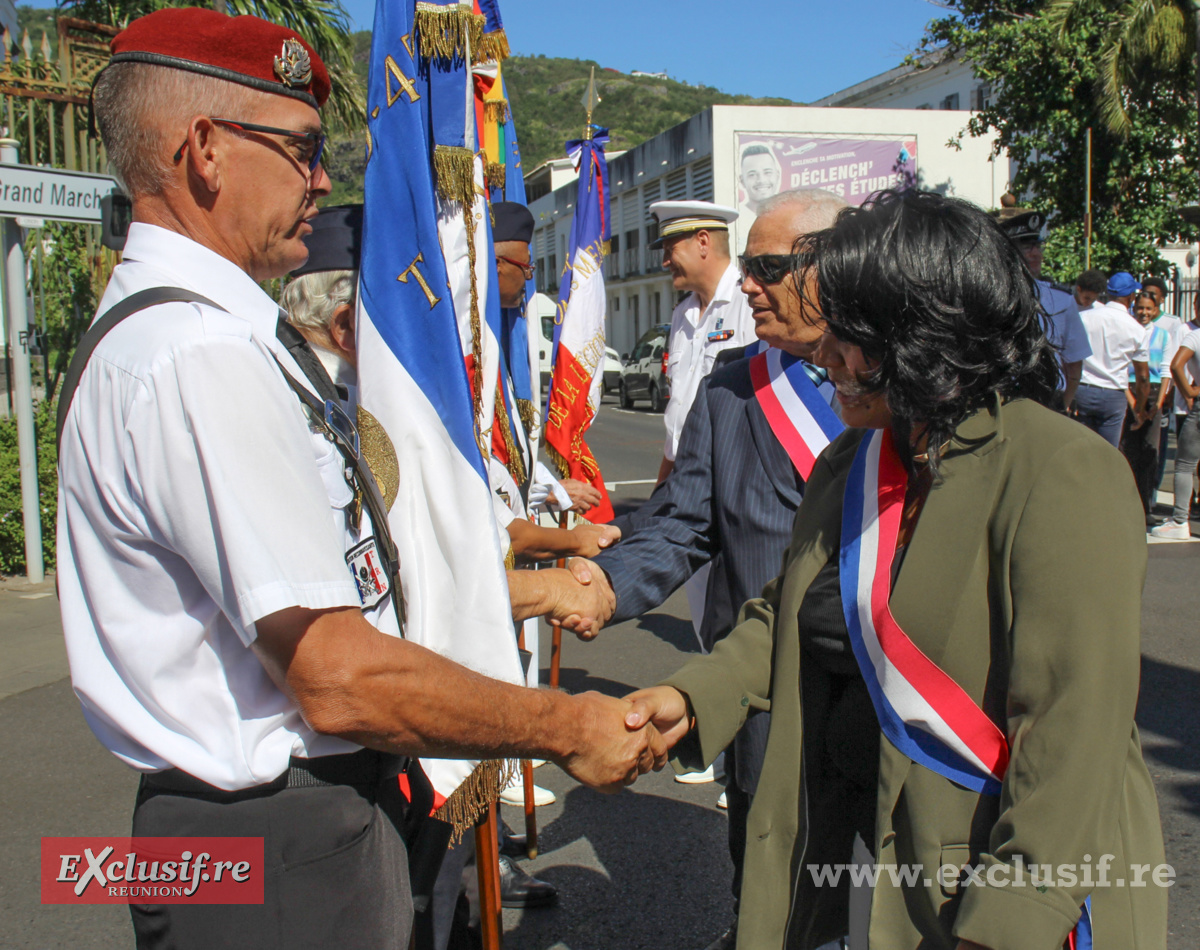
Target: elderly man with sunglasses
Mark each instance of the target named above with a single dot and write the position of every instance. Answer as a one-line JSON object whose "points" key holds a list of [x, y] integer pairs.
{"points": [[733, 493], [220, 631]]}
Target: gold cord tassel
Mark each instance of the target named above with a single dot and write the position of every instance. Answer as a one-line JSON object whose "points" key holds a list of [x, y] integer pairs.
{"points": [[454, 169], [495, 110], [497, 173], [476, 325], [447, 31], [492, 47], [474, 796]]}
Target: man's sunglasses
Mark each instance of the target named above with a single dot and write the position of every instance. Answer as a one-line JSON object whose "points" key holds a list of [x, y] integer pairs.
{"points": [[315, 140], [525, 268], [766, 268]]}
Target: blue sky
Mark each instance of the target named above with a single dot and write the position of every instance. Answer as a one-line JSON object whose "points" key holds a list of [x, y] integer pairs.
{"points": [[799, 49]]}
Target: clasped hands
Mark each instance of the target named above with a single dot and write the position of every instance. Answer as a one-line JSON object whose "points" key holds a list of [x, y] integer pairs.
{"points": [[624, 738]]}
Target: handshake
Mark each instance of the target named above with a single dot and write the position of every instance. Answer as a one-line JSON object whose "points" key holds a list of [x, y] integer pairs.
{"points": [[577, 597], [616, 740]]}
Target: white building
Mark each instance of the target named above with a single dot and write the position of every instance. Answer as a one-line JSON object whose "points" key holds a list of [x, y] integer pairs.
{"points": [[849, 150]]}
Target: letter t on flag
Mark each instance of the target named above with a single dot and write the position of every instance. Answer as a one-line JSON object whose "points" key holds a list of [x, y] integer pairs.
{"points": [[578, 358]]}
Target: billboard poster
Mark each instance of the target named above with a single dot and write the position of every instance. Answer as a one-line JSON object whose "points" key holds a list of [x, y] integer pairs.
{"points": [[853, 168]]}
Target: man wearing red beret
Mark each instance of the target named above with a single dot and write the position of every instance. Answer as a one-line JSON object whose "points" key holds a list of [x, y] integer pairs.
{"points": [[216, 622]]}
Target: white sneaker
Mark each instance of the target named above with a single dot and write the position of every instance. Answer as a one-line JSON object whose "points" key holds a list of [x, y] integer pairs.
{"points": [[515, 795], [697, 778], [1172, 531], [537, 763], [722, 802]]}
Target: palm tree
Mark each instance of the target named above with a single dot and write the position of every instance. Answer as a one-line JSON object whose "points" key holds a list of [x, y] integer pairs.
{"points": [[1161, 35], [325, 24]]}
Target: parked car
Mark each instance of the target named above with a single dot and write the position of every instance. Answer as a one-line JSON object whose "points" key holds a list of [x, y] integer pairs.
{"points": [[645, 373], [612, 370]]}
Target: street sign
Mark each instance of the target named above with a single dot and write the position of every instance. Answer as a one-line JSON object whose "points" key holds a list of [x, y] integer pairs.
{"points": [[52, 194]]}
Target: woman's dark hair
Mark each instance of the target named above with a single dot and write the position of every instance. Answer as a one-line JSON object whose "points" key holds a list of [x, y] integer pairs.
{"points": [[932, 288], [1149, 296]]}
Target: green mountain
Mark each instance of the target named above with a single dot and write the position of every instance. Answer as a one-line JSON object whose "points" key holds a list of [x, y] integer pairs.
{"points": [[546, 97]]}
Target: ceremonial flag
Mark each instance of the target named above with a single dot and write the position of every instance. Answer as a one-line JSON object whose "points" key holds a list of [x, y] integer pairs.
{"points": [[578, 354], [413, 379]]}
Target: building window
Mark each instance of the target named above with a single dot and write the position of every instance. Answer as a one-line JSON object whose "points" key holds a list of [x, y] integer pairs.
{"points": [[950, 102], [677, 185], [702, 180], [982, 97]]}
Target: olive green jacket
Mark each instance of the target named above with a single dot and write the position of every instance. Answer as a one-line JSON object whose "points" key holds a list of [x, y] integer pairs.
{"points": [[1023, 582]]}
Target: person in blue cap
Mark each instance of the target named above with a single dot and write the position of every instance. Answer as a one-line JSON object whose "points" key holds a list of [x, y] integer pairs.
{"points": [[1117, 341]]}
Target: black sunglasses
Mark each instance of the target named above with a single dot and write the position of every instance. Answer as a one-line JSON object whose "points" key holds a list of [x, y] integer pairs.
{"points": [[315, 140], [766, 268]]}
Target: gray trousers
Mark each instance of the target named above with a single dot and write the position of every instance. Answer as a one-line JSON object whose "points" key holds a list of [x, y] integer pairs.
{"points": [[1187, 454], [336, 870]]}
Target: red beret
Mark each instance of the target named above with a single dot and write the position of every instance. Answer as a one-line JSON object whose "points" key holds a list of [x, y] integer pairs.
{"points": [[241, 49]]}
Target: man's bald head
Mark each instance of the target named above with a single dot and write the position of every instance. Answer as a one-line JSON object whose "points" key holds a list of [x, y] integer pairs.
{"points": [[781, 317]]}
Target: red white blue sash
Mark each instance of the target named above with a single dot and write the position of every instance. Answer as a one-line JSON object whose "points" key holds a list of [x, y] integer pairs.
{"points": [[922, 711], [799, 415]]}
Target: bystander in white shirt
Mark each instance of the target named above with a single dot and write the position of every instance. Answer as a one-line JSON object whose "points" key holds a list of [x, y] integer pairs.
{"points": [[696, 339], [193, 501], [1117, 339]]}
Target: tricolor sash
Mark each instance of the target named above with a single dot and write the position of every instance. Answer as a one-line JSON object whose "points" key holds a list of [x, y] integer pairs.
{"points": [[922, 711], [799, 415]]}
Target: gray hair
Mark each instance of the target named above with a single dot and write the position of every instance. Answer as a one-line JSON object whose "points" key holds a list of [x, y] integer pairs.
{"points": [[312, 299], [143, 111], [818, 206]]}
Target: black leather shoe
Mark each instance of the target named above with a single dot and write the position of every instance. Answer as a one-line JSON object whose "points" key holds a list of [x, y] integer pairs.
{"points": [[518, 889], [513, 846], [727, 940]]}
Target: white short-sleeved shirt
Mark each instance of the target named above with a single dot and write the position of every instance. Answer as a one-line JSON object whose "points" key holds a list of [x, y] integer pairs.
{"points": [[696, 339], [1183, 333], [193, 501], [1116, 339]]}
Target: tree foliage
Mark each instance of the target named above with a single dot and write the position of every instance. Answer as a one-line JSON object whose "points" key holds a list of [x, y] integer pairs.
{"points": [[323, 23], [1158, 34], [1046, 78]]}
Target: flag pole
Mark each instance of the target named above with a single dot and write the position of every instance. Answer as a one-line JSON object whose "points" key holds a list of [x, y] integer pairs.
{"points": [[531, 839], [487, 865]]}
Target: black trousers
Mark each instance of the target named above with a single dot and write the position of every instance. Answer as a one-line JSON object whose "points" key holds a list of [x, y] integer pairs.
{"points": [[336, 872]]}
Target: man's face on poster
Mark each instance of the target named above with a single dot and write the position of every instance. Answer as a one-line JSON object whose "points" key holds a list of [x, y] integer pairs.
{"points": [[760, 176]]}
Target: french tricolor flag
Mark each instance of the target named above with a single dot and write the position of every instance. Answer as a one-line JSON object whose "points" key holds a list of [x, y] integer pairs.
{"points": [[413, 379]]}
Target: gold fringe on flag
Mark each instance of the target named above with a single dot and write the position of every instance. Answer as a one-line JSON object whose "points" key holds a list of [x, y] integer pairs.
{"points": [[510, 559], [557, 460], [474, 796], [447, 31], [528, 415], [497, 173], [495, 110], [516, 462], [454, 169], [476, 324], [491, 48]]}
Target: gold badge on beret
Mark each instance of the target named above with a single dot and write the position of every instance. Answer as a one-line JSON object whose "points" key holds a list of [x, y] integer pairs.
{"points": [[292, 65]]}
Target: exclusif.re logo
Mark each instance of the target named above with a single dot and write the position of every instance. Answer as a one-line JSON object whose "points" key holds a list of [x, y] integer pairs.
{"points": [[124, 870]]}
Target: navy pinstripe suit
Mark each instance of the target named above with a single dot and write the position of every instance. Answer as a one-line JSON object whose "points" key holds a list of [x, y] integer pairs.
{"points": [[730, 499]]}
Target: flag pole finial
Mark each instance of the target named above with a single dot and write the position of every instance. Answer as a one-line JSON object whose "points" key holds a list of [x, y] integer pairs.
{"points": [[591, 99]]}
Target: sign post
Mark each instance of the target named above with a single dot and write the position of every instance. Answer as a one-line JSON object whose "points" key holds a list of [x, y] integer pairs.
{"points": [[48, 194]]}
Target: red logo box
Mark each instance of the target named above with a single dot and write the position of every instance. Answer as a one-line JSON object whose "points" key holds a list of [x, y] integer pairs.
{"points": [[128, 870]]}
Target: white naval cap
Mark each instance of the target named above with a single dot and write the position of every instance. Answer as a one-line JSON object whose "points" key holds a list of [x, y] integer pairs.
{"points": [[684, 217]]}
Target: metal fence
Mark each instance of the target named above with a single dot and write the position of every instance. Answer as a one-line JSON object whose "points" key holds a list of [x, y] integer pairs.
{"points": [[1181, 300]]}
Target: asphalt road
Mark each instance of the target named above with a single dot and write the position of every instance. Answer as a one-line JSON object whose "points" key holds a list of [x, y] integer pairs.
{"points": [[645, 868]]}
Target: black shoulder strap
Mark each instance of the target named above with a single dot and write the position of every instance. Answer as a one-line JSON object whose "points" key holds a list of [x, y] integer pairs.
{"points": [[98, 330]]}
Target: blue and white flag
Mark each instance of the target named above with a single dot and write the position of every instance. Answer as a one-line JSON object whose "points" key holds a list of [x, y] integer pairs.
{"points": [[413, 379]]}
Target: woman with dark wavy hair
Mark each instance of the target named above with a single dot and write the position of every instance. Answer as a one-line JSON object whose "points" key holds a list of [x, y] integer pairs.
{"points": [[951, 653]]}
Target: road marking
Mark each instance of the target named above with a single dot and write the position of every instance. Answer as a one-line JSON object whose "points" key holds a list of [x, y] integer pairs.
{"points": [[632, 412], [1151, 539], [34, 596], [638, 481]]}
